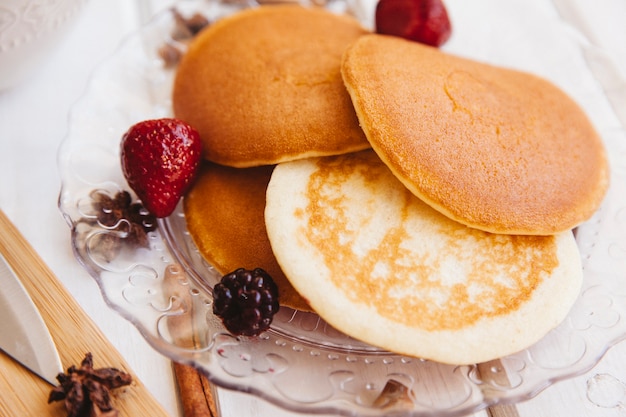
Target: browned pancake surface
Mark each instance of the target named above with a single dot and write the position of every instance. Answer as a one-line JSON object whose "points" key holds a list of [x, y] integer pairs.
{"points": [[224, 211], [264, 86], [379, 264], [496, 149]]}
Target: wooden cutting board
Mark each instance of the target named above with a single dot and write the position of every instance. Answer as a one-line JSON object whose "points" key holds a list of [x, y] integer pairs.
{"points": [[73, 332]]}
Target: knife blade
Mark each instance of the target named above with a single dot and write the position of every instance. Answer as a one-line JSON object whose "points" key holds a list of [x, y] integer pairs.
{"points": [[23, 334]]}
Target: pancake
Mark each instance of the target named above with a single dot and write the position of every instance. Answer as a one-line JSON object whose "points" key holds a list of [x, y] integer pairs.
{"points": [[382, 266], [496, 149], [224, 214], [264, 86]]}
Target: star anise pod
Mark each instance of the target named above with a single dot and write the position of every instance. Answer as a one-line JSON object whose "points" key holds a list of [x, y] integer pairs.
{"points": [[185, 29], [188, 27], [86, 391], [121, 213]]}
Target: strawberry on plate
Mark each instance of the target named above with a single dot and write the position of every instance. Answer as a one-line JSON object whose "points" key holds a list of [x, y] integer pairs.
{"points": [[424, 21], [160, 158]]}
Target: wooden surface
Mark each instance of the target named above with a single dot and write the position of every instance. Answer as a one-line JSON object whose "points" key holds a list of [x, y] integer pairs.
{"points": [[24, 394]]}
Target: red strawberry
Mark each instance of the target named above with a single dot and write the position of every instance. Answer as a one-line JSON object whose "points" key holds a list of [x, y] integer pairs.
{"points": [[424, 21], [160, 159]]}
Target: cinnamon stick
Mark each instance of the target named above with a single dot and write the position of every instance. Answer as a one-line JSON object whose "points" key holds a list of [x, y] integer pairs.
{"points": [[198, 395]]}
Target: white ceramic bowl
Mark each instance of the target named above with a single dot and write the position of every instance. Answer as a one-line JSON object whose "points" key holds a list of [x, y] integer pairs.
{"points": [[29, 32]]}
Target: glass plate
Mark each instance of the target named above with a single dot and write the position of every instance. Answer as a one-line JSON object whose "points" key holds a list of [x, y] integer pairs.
{"points": [[302, 364]]}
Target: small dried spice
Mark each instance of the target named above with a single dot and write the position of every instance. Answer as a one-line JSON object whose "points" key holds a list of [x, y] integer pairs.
{"points": [[126, 224], [188, 27], [185, 29], [170, 54], [394, 394], [86, 391], [120, 211]]}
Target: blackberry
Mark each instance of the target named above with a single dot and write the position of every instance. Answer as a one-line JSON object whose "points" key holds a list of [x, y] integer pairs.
{"points": [[246, 301]]}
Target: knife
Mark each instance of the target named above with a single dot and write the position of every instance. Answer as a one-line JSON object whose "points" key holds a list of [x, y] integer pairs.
{"points": [[23, 333]]}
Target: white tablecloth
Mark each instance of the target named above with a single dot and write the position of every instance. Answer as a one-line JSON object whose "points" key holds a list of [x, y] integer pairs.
{"points": [[33, 122]]}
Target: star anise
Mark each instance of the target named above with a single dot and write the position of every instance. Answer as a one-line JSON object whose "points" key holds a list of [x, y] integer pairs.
{"points": [[86, 391], [120, 212], [188, 27], [185, 29]]}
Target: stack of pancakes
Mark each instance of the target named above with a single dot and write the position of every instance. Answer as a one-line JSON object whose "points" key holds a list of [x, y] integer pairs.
{"points": [[415, 200]]}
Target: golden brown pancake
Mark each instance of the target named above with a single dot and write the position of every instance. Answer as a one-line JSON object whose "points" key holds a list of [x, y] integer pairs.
{"points": [[264, 86], [493, 148], [224, 214], [382, 266]]}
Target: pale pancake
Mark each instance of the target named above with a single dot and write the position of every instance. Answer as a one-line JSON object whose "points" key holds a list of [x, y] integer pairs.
{"points": [[224, 214], [377, 263], [264, 86], [493, 148]]}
